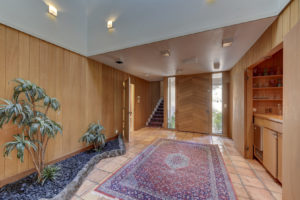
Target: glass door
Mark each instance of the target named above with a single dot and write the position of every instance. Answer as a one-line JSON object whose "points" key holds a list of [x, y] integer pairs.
{"points": [[217, 102], [171, 102]]}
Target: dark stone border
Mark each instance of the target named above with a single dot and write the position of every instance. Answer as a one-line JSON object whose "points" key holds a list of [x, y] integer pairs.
{"points": [[73, 186]]}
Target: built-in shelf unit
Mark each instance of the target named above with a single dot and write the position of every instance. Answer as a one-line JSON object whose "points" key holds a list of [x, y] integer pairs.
{"points": [[267, 90]]}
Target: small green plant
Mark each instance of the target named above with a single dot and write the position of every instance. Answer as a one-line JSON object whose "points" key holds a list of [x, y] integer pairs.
{"points": [[94, 136], [28, 111], [50, 172]]}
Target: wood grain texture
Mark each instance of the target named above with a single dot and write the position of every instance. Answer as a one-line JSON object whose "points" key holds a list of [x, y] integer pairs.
{"points": [[291, 115], [270, 151], [271, 38], [87, 90], [193, 103], [225, 102]]}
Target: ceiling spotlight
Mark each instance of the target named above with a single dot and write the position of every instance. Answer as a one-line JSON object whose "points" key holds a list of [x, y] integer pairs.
{"points": [[110, 24], [146, 74], [216, 65], [52, 10], [227, 42], [165, 53]]}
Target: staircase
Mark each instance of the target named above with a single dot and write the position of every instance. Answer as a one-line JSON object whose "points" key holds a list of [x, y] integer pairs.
{"points": [[157, 117]]}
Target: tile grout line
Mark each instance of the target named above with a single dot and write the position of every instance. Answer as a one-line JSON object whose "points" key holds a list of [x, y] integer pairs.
{"points": [[238, 174], [262, 181]]}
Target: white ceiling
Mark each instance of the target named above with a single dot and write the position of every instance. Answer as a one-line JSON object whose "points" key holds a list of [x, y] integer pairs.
{"points": [[144, 21], [194, 53], [81, 27]]}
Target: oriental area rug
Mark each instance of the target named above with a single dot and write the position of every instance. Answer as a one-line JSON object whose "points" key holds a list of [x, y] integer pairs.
{"points": [[170, 169]]}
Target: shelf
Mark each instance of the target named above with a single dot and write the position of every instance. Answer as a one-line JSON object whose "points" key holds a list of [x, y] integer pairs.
{"points": [[269, 76], [268, 88], [268, 100]]}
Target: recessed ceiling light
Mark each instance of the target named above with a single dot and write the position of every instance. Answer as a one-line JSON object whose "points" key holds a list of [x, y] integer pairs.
{"points": [[52, 10], [119, 62], [147, 75], [216, 66], [165, 53], [110, 24], [227, 42]]}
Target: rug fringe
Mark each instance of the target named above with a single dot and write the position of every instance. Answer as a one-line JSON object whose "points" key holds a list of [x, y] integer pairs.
{"points": [[104, 196]]}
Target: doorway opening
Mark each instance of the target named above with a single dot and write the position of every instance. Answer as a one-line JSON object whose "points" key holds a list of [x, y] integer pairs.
{"points": [[131, 108], [171, 102], [217, 102]]}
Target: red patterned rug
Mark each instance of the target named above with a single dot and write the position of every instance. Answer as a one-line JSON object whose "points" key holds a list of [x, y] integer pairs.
{"points": [[170, 169]]}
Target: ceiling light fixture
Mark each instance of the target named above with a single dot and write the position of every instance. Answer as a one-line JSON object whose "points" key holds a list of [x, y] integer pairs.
{"points": [[110, 24], [227, 42], [119, 62], [216, 65], [52, 10], [146, 74], [165, 53]]}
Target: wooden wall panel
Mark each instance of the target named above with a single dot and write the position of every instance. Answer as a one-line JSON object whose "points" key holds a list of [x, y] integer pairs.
{"points": [[2, 88], [291, 115], [270, 39], [87, 90], [225, 101]]}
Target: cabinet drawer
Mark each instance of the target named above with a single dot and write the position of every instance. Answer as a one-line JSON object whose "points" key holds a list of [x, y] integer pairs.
{"points": [[275, 126]]}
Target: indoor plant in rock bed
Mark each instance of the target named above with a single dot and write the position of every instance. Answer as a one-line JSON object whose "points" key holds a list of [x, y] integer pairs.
{"points": [[28, 111]]}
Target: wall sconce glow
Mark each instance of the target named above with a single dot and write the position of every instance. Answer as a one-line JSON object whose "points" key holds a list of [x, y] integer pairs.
{"points": [[227, 42], [110, 24], [53, 10]]}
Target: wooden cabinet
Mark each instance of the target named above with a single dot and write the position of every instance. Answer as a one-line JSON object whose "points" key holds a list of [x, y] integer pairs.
{"points": [[280, 157], [270, 151]]}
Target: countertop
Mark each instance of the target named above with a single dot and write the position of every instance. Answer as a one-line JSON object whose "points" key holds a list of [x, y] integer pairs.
{"points": [[274, 118]]}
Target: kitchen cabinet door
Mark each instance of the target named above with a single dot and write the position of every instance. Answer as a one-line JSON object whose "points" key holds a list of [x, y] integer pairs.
{"points": [[270, 151]]}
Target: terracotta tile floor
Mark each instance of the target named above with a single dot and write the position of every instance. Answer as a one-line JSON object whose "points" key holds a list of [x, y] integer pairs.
{"points": [[250, 180]]}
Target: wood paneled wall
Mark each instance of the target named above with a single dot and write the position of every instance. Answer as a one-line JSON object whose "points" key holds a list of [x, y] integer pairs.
{"points": [[272, 37], [88, 91], [291, 115]]}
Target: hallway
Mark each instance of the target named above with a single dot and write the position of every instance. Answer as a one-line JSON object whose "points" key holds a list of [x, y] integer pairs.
{"points": [[249, 178]]}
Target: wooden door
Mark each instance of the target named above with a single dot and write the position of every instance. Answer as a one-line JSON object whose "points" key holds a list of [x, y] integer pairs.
{"points": [[270, 151], [127, 110], [194, 103]]}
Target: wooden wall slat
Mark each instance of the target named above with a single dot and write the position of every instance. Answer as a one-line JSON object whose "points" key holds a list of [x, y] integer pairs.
{"points": [[24, 72], [2, 89], [11, 72]]}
